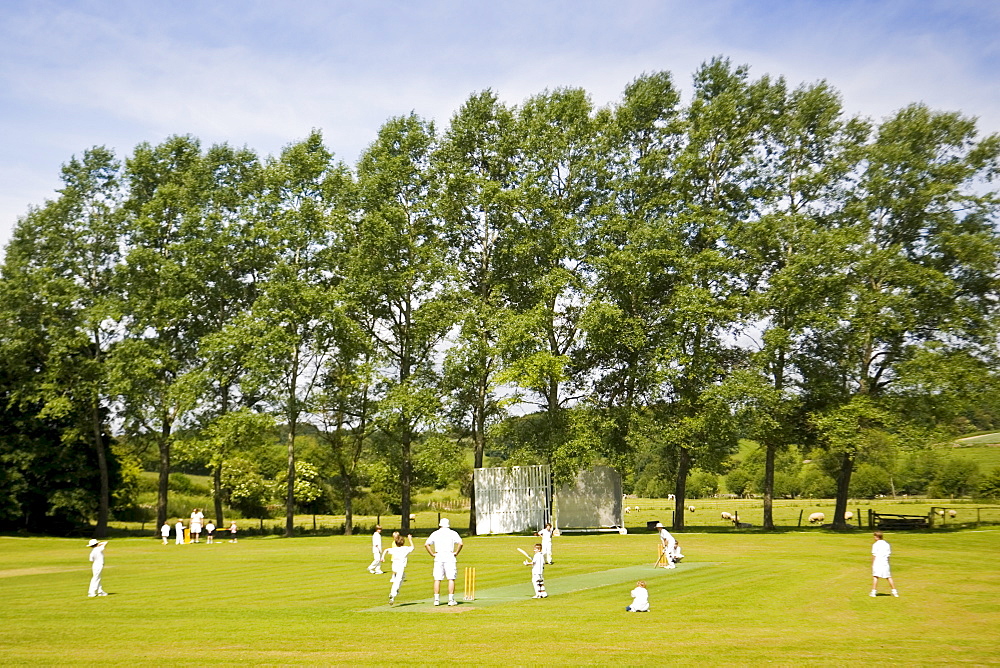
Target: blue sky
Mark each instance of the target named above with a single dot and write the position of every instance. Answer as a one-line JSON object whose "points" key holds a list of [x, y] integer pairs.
{"points": [[75, 74]]}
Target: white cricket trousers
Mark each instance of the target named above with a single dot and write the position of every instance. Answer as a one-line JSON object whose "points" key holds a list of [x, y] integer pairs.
{"points": [[95, 581]]}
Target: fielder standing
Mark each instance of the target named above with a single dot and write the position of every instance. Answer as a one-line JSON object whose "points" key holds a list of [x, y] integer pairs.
{"points": [[446, 545], [546, 536], [376, 566], [97, 557]]}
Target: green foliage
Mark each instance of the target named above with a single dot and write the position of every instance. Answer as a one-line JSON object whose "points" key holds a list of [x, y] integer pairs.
{"points": [[603, 268], [816, 483], [126, 494], [245, 488], [989, 487], [702, 484], [869, 481], [957, 476], [182, 484]]}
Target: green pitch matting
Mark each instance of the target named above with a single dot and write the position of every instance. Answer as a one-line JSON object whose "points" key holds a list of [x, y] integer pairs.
{"points": [[555, 586]]}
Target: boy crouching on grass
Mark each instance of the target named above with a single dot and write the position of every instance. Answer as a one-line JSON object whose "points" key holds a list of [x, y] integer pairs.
{"points": [[640, 598], [537, 563], [400, 554]]}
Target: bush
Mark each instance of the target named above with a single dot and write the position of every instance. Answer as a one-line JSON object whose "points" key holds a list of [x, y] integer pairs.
{"points": [[989, 488], [369, 504], [738, 482], [702, 484], [816, 484], [956, 477], [869, 481]]}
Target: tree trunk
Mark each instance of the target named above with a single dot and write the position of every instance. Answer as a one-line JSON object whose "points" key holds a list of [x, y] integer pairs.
{"points": [[680, 487], [217, 487], [162, 490], [290, 493], [405, 480], [769, 454], [348, 506], [843, 485], [479, 448], [104, 500]]}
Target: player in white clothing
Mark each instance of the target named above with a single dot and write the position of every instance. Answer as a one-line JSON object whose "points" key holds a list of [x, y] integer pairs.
{"points": [[165, 532], [640, 598], [97, 557], [667, 545], [537, 563], [446, 545], [376, 566], [880, 564], [179, 528], [546, 536], [399, 553]]}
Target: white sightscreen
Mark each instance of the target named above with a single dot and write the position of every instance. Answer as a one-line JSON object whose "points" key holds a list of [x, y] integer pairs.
{"points": [[593, 500], [511, 500]]}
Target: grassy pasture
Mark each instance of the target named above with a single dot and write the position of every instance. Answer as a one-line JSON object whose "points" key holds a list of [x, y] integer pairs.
{"points": [[794, 598]]}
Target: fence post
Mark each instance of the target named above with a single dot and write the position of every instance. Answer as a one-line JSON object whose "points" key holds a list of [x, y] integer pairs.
{"points": [[859, 518], [800, 517]]}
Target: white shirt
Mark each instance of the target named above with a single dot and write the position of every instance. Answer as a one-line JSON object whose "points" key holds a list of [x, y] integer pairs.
{"points": [[165, 530], [444, 541], [546, 536], [537, 566], [377, 541], [399, 555], [180, 528], [97, 556], [665, 536], [640, 599], [881, 550]]}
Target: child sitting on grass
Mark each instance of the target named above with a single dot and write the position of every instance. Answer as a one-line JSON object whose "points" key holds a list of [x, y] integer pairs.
{"points": [[640, 598]]}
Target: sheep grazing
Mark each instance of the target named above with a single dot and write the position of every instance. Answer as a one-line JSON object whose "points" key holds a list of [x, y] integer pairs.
{"points": [[816, 518], [848, 515], [690, 509], [940, 512], [628, 509], [726, 516], [952, 512]]}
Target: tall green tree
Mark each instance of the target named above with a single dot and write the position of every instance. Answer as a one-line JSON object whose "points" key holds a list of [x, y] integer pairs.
{"points": [[555, 174], [162, 283], [921, 275], [714, 182], [399, 275], [68, 252], [630, 255], [476, 197], [293, 321], [794, 250]]}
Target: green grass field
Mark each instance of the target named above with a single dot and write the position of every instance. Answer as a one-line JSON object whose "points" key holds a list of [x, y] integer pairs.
{"points": [[789, 598]]}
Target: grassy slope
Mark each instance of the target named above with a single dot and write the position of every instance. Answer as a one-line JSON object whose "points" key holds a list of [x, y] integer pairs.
{"points": [[794, 598]]}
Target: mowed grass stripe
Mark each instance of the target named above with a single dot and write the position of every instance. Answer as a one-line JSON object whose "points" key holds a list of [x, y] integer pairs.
{"points": [[559, 586]]}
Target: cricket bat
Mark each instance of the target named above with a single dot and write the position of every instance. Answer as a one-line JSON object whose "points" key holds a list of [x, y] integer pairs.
{"points": [[526, 555]]}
